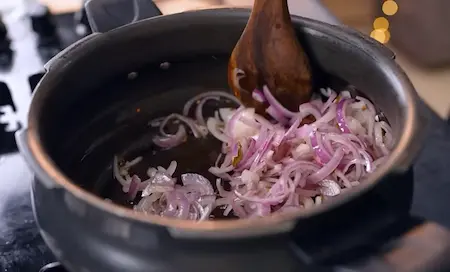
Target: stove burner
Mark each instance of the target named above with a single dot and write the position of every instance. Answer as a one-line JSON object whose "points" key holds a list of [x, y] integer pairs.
{"points": [[48, 41], [33, 80], [9, 122], [6, 53], [82, 27]]}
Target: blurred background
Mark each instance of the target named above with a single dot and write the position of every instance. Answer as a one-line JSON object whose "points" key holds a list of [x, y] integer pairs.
{"points": [[416, 30]]}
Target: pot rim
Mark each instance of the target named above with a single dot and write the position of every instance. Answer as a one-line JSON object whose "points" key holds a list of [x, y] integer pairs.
{"points": [[395, 163]]}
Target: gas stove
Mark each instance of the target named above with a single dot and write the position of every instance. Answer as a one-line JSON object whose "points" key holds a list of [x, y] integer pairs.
{"points": [[21, 247], [26, 43]]}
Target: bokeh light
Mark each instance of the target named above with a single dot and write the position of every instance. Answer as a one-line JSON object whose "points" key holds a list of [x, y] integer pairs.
{"points": [[381, 35], [387, 36], [390, 7], [381, 23]]}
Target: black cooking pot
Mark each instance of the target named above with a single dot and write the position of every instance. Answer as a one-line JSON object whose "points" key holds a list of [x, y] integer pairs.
{"points": [[96, 99]]}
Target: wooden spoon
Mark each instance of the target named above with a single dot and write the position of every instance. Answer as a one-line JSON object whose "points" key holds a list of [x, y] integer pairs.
{"points": [[268, 53]]}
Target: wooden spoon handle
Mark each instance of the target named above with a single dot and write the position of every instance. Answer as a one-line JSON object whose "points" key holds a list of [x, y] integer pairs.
{"points": [[269, 53], [272, 8], [279, 58]]}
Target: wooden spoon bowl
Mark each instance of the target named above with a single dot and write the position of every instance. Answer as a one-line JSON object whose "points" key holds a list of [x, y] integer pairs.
{"points": [[268, 53]]}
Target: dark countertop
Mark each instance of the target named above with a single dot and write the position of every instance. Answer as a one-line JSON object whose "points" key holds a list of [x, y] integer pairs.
{"points": [[432, 171]]}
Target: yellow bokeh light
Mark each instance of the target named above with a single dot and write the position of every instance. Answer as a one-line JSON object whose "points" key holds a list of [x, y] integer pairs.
{"points": [[387, 36], [381, 23], [378, 35], [381, 35], [390, 7]]}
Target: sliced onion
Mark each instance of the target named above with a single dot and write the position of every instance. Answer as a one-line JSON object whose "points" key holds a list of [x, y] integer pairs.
{"points": [[172, 168], [237, 129], [212, 124], [197, 130], [223, 94], [156, 122], [322, 154], [146, 204], [328, 116], [306, 193], [309, 109], [203, 184], [268, 165], [268, 200], [278, 116], [218, 171], [302, 151], [238, 210], [248, 153], [161, 182], [292, 129], [340, 113], [177, 206], [134, 187], [199, 110], [125, 182], [258, 96], [226, 114], [277, 105], [230, 125], [171, 141], [330, 101], [220, 189], [329, 187], [155, 188], [132, 162], [379, 139], [328, 168], [261, 151]]}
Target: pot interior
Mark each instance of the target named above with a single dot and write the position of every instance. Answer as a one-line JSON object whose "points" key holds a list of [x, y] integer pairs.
{"points": [[100, 103]]}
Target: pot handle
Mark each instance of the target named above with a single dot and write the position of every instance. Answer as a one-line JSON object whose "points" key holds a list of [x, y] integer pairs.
{"points": [[106, 15], [422, 246]]}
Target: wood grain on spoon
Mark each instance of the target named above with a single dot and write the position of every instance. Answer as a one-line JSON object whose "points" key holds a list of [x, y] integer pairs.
{"points": [[269, 54]]}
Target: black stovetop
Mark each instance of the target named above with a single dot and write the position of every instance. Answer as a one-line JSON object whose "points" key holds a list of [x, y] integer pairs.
{"points": [[22, 249], [21, 246]]}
